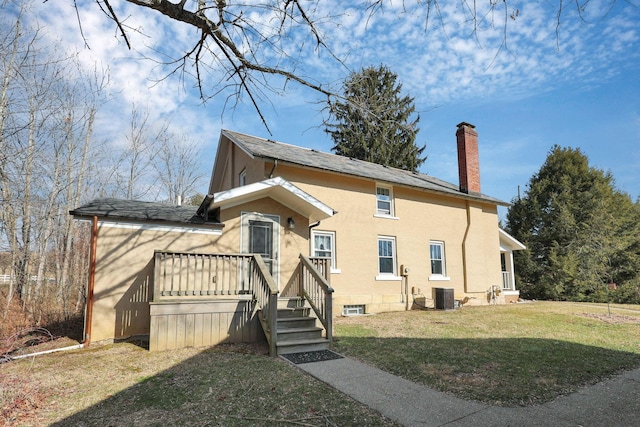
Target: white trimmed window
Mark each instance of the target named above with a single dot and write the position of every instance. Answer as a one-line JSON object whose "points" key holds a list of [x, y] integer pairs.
{"points": [[324, 245], [353, 310], [387, 256], [384, 201], [438, 265], [242, 178]]}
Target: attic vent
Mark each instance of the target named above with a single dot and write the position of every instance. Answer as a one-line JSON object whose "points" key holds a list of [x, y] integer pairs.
{"points": [[353, 310]]}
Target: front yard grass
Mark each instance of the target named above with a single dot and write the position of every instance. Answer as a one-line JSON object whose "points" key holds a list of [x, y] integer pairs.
{"points": [[125, 385], [508, 355], [518, 354]]}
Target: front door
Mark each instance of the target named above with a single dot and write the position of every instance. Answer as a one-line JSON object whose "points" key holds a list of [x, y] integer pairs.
{"points": [[261, 241], [260, 236]]}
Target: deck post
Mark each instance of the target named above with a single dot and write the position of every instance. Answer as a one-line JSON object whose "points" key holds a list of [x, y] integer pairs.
{"points": [[328, 301], [273, 324]]}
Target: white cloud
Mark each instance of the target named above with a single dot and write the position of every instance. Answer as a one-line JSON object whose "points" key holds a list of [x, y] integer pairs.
{"points": [[439, 63]]}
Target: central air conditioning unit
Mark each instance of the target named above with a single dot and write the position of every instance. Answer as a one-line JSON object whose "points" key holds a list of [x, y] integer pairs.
{"points": [[444, 298]]}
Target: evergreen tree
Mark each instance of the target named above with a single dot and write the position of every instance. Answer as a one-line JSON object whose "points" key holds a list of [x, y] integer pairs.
{"points": [[374, 122], [582, 235]]}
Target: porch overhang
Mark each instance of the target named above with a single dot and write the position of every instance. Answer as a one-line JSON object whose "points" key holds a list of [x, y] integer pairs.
{"points": [[278, 189], [508, 242]]}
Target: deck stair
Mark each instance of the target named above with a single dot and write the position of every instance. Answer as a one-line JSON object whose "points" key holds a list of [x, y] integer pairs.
{"points": [[297, 328]]}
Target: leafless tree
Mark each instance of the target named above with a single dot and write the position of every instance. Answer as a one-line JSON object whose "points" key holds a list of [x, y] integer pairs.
{"points": [[240, 46], [130, 160], [48, 105], [176, 166]]}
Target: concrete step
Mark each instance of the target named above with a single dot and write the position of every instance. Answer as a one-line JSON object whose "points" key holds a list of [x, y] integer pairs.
{"points": [[302, 345], [288, 334]]}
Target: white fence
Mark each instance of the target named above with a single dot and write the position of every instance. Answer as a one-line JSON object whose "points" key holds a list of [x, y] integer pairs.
{"points": [[5, 279]]}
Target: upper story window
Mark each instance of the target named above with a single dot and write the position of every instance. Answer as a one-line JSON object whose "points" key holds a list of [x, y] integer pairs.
{"points": [[324, 245], [242, 178], [438, 265], [384, 201]]}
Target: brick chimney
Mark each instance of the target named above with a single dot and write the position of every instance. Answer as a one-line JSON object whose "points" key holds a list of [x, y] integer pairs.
{"points": [[468, 162]]}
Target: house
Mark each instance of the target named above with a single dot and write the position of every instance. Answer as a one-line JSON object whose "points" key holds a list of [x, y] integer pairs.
{"points": [[282, 221]]}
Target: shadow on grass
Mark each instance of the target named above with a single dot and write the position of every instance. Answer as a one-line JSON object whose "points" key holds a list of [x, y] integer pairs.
{"points": [[223, 385], [71, 327], [501, 371], [228, 386]]}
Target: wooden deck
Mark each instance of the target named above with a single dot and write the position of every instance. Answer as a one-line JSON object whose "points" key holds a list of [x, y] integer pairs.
{"points": [[208, 299]]}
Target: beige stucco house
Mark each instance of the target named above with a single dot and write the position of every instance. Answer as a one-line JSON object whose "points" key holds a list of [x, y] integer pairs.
{"points": [[350, 237]]}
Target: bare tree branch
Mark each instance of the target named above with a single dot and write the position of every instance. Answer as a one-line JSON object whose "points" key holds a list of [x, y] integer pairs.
{"points": [[249, 41]]}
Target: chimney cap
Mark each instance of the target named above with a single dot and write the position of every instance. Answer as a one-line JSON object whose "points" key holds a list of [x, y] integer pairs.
{"points": [[461, 124]]}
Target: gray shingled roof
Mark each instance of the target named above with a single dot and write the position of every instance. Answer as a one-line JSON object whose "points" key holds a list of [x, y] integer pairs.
{"points": [[271, 150], [139, 211]]}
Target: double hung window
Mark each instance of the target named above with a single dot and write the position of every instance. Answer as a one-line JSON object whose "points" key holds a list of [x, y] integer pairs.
{"points": [[436, 253], [324, 246], [387, 256], [384, 201]]}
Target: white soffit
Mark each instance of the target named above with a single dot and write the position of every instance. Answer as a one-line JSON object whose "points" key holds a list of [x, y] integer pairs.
{"points": [[280, 190], [510, 241], [159, 227]]}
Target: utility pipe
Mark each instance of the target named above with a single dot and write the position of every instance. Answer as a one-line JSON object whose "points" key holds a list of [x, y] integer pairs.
{"points": [[465, 274], [92, 280], [275, 165], [24, 356]]}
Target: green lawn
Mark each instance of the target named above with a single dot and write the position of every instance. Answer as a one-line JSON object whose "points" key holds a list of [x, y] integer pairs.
{"points": [[517, 354]]}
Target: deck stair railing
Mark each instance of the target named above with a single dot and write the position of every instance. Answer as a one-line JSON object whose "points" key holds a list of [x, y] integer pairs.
{"points": [[265, 291], [315, 288]]}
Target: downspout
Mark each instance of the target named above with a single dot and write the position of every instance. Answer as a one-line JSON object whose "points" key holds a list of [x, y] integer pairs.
{"points": [[465, 273], [275, 165], [314, 225], [92, 279]]}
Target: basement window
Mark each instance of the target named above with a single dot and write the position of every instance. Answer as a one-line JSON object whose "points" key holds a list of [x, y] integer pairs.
{"points": [[353, 310]]}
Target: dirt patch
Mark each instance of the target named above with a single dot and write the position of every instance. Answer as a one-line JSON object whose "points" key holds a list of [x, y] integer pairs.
{"points": [[615, 319]]}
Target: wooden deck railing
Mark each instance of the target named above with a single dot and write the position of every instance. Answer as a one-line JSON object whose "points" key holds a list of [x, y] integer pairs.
{"points": [[189, 276], [316, 290], [180, 275]]}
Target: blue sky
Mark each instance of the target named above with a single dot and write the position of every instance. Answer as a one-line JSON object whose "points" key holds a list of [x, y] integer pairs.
{"points": [[577, 87]]}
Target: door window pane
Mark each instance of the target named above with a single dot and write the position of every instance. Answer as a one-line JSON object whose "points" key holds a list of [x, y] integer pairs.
{"points": [[261, 241]]}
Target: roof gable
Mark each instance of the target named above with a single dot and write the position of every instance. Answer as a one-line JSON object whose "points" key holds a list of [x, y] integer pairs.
{"points": [[280, 190], [276, 151]]}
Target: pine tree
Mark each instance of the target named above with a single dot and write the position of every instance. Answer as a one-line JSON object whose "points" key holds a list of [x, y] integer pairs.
{"points": [[374, 122], [581, 233]]}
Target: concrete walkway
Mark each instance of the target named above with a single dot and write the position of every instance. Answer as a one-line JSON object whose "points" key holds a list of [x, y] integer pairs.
{"points": [[615, 402]]}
